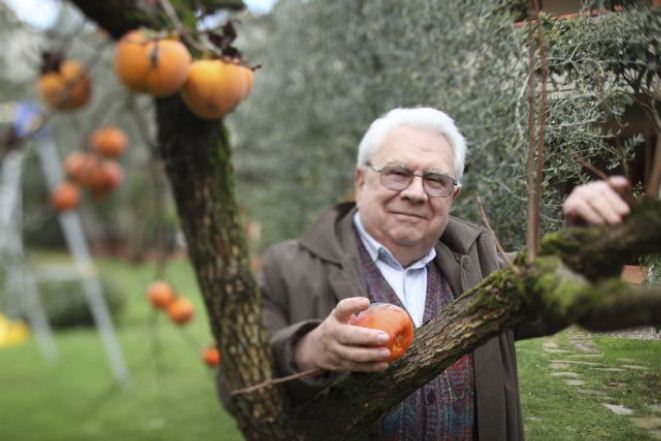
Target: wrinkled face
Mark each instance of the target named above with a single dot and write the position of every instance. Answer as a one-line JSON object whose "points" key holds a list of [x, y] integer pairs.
{"points": [[407, 222]]}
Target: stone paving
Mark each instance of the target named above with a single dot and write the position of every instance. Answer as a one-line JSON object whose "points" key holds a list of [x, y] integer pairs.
{"points": [[581, 349]]}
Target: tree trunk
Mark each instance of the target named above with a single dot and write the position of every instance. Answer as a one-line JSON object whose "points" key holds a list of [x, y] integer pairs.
{"points": [[197, 158], [197, 155]]}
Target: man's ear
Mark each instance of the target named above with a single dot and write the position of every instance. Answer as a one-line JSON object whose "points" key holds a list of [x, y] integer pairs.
{"points": [[456, 192], [359, 179]]}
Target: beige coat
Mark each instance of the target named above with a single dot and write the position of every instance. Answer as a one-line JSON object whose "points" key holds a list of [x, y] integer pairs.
{"points": [[304, 279]]}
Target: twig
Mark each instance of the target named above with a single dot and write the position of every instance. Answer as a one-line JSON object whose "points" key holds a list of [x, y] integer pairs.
{"points": [[172, 14], [628, 195], [601, 175], [623, 158], [159, 207], [178, 25], [157, 348], [502, 252], [96, 119], [190, 340], [653, 184], [267, 383], [142, 126], [159, 190], [539, 173], [531, 230]]}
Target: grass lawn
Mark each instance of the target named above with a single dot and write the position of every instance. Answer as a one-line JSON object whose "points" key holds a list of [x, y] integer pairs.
{"points": [[628, 374], [172, 395]]}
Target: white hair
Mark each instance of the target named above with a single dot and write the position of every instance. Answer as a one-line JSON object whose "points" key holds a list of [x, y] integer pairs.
{"points": [[419, 117]]}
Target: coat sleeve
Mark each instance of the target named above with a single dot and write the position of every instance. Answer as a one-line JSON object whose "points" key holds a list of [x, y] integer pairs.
{"points": [[280, 286]]}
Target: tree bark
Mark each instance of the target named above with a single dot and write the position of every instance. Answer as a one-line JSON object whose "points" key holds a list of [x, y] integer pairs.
{"points": [[546, 290], [197, 155]]}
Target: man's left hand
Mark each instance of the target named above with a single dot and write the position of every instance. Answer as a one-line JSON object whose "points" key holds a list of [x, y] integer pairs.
{"points": [[597, 203]]}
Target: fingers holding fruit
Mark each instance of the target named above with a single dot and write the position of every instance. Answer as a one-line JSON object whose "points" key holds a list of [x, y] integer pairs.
{"points": [[323, 348], [597, 203], [357, 337]]}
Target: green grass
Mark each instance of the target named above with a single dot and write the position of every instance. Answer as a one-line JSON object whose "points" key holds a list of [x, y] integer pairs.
{"points": [[555, 410], [171, 395]]}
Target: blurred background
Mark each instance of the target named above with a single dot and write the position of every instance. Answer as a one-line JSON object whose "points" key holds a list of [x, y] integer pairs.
{"points": [[326, 71]]}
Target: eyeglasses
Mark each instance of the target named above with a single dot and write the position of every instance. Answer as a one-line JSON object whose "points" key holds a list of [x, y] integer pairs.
{"points": [[398, 177]]}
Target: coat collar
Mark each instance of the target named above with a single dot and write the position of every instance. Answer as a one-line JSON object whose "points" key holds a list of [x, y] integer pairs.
{"points": [[332, 237]]}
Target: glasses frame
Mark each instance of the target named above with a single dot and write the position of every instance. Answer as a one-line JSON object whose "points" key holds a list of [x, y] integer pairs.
{"points": [[455, 184]]}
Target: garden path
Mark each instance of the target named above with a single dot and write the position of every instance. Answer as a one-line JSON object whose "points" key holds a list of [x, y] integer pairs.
{"points": [[564, 357]]}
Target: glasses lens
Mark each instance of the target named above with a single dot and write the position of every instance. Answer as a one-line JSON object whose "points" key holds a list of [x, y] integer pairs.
{"points": [[396, 178], [437, 185]]}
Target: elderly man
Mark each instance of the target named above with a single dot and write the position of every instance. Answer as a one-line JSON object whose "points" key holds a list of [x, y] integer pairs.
{"points": [[399, 244]]}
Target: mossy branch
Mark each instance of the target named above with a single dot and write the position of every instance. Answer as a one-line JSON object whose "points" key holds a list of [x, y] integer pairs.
{"points": [[543, 299], [599, 252]]}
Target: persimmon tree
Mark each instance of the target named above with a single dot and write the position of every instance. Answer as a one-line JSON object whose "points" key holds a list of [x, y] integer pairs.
{"points": [[572, 278]]}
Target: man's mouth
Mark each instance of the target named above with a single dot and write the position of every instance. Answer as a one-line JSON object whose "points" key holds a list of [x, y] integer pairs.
{"points": [[404, 213]]}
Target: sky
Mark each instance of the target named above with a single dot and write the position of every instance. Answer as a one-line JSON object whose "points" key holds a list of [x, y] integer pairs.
{"points": [[41, 13]]}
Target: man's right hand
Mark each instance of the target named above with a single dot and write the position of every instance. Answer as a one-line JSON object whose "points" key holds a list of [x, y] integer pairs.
{"points": [[337, 345]]}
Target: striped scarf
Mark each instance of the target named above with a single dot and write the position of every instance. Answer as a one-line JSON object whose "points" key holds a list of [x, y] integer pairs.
{"points": [[443, 409]]}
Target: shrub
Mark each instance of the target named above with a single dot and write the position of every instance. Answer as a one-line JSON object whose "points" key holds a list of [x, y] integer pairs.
{"points": [[66, 306]]}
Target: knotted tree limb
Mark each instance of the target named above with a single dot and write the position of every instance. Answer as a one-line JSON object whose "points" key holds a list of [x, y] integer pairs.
{"points": [[547, 289], [602, 251]]}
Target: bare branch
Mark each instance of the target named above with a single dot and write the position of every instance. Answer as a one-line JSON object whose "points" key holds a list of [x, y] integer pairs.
{"points": [[308, 373], [532, 229], [502, 252], [539, 173], [172, 14]]}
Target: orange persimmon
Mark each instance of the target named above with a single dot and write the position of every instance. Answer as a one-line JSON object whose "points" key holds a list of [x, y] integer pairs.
{"points": [[161, 294], [67, 86], [214, 87], [392, 320], [181, 311], [66, 197], [158, 66], [211, 356], [109, 141]]}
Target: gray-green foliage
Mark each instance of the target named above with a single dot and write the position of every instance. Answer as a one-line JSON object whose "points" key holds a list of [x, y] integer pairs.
{"points": [[65, 304], [18, 57], [330, 68]]}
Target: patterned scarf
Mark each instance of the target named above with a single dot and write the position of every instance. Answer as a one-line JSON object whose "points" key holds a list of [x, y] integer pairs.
{"points": [[443, 409]]}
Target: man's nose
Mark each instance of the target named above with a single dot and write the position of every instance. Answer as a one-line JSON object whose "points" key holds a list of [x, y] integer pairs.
{"points": [[415, 192]]}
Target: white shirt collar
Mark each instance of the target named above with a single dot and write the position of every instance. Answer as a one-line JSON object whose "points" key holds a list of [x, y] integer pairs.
{"points": [[378, 252]]}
